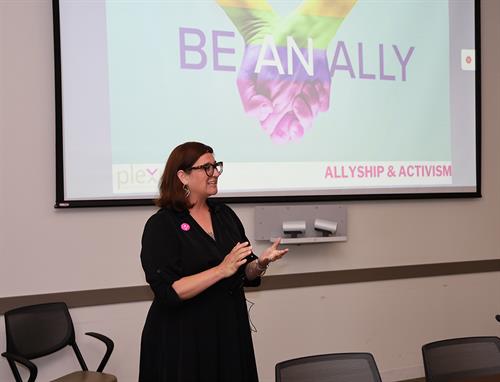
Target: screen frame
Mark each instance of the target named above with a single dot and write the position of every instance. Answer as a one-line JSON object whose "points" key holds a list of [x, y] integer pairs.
{"points": [[62, 202]]}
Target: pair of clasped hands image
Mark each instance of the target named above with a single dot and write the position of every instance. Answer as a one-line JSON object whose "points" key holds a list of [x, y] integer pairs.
{"points": [[278, 82]]}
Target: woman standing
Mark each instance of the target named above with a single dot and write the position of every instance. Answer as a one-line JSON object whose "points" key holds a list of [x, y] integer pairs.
{"points": [[197, 259]]}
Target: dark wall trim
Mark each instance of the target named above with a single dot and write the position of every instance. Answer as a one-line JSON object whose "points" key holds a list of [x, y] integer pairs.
{"points": [[143, 293], [81, 298], [378, 274]]}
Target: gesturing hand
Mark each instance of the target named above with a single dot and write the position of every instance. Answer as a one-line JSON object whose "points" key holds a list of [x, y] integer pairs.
{"points": [[235, 259], [271, 254]]}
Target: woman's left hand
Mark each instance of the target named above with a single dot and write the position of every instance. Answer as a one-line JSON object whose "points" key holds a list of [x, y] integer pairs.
{"points": [[271, 254]]}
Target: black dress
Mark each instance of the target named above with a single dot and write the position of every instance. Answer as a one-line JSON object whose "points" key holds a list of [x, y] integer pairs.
{"points": [[206, 338]]}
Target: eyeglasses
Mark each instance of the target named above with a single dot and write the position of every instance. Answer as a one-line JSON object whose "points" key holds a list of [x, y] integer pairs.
{"points": [[209, 168]]}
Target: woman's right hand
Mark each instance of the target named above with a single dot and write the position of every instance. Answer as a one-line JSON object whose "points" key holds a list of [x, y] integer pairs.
{"points": [[235, 259]]}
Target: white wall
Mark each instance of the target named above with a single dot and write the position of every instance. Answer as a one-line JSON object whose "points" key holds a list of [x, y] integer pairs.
{"points": [[43, 250]]}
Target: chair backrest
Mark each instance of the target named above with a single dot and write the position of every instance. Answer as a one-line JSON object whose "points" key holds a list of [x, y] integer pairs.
{"points": [[340, 367], [37, 330], [457, 358]]}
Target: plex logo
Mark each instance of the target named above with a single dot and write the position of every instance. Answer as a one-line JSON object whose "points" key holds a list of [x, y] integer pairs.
{"points": [[131, 177]]}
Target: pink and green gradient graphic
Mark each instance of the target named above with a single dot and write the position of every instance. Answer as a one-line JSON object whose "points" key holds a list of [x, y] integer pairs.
{"points": [[284, 79]]}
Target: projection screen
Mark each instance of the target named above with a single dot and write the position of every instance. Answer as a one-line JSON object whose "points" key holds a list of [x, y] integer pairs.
{"points": [[302, 100]]}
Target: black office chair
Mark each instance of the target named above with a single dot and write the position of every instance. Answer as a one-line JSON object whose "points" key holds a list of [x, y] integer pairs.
{"points": [[38, 330], [461, 358], [340, 367]]}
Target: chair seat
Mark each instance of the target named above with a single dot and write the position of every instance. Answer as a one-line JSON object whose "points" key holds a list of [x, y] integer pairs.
{"points": [[86, 376]]}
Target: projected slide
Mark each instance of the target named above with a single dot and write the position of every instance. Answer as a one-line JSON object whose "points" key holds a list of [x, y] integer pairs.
{"points": [[338, 97]]}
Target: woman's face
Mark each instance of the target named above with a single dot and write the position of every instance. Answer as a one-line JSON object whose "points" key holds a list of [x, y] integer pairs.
{"points": [[200, 184]]}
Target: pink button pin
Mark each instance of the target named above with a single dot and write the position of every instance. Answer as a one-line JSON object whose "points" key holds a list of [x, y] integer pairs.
{"points": [[185, 227]]}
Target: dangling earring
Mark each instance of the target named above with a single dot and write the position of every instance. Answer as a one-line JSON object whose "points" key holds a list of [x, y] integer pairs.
{"points": [[186, 189]]}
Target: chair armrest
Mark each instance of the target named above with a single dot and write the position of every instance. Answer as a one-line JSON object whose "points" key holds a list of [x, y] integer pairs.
{"points": [[12, 358], [110, 345]]}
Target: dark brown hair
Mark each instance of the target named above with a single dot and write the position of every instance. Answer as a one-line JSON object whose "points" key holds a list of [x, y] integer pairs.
{"points": [[172, 194]]}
